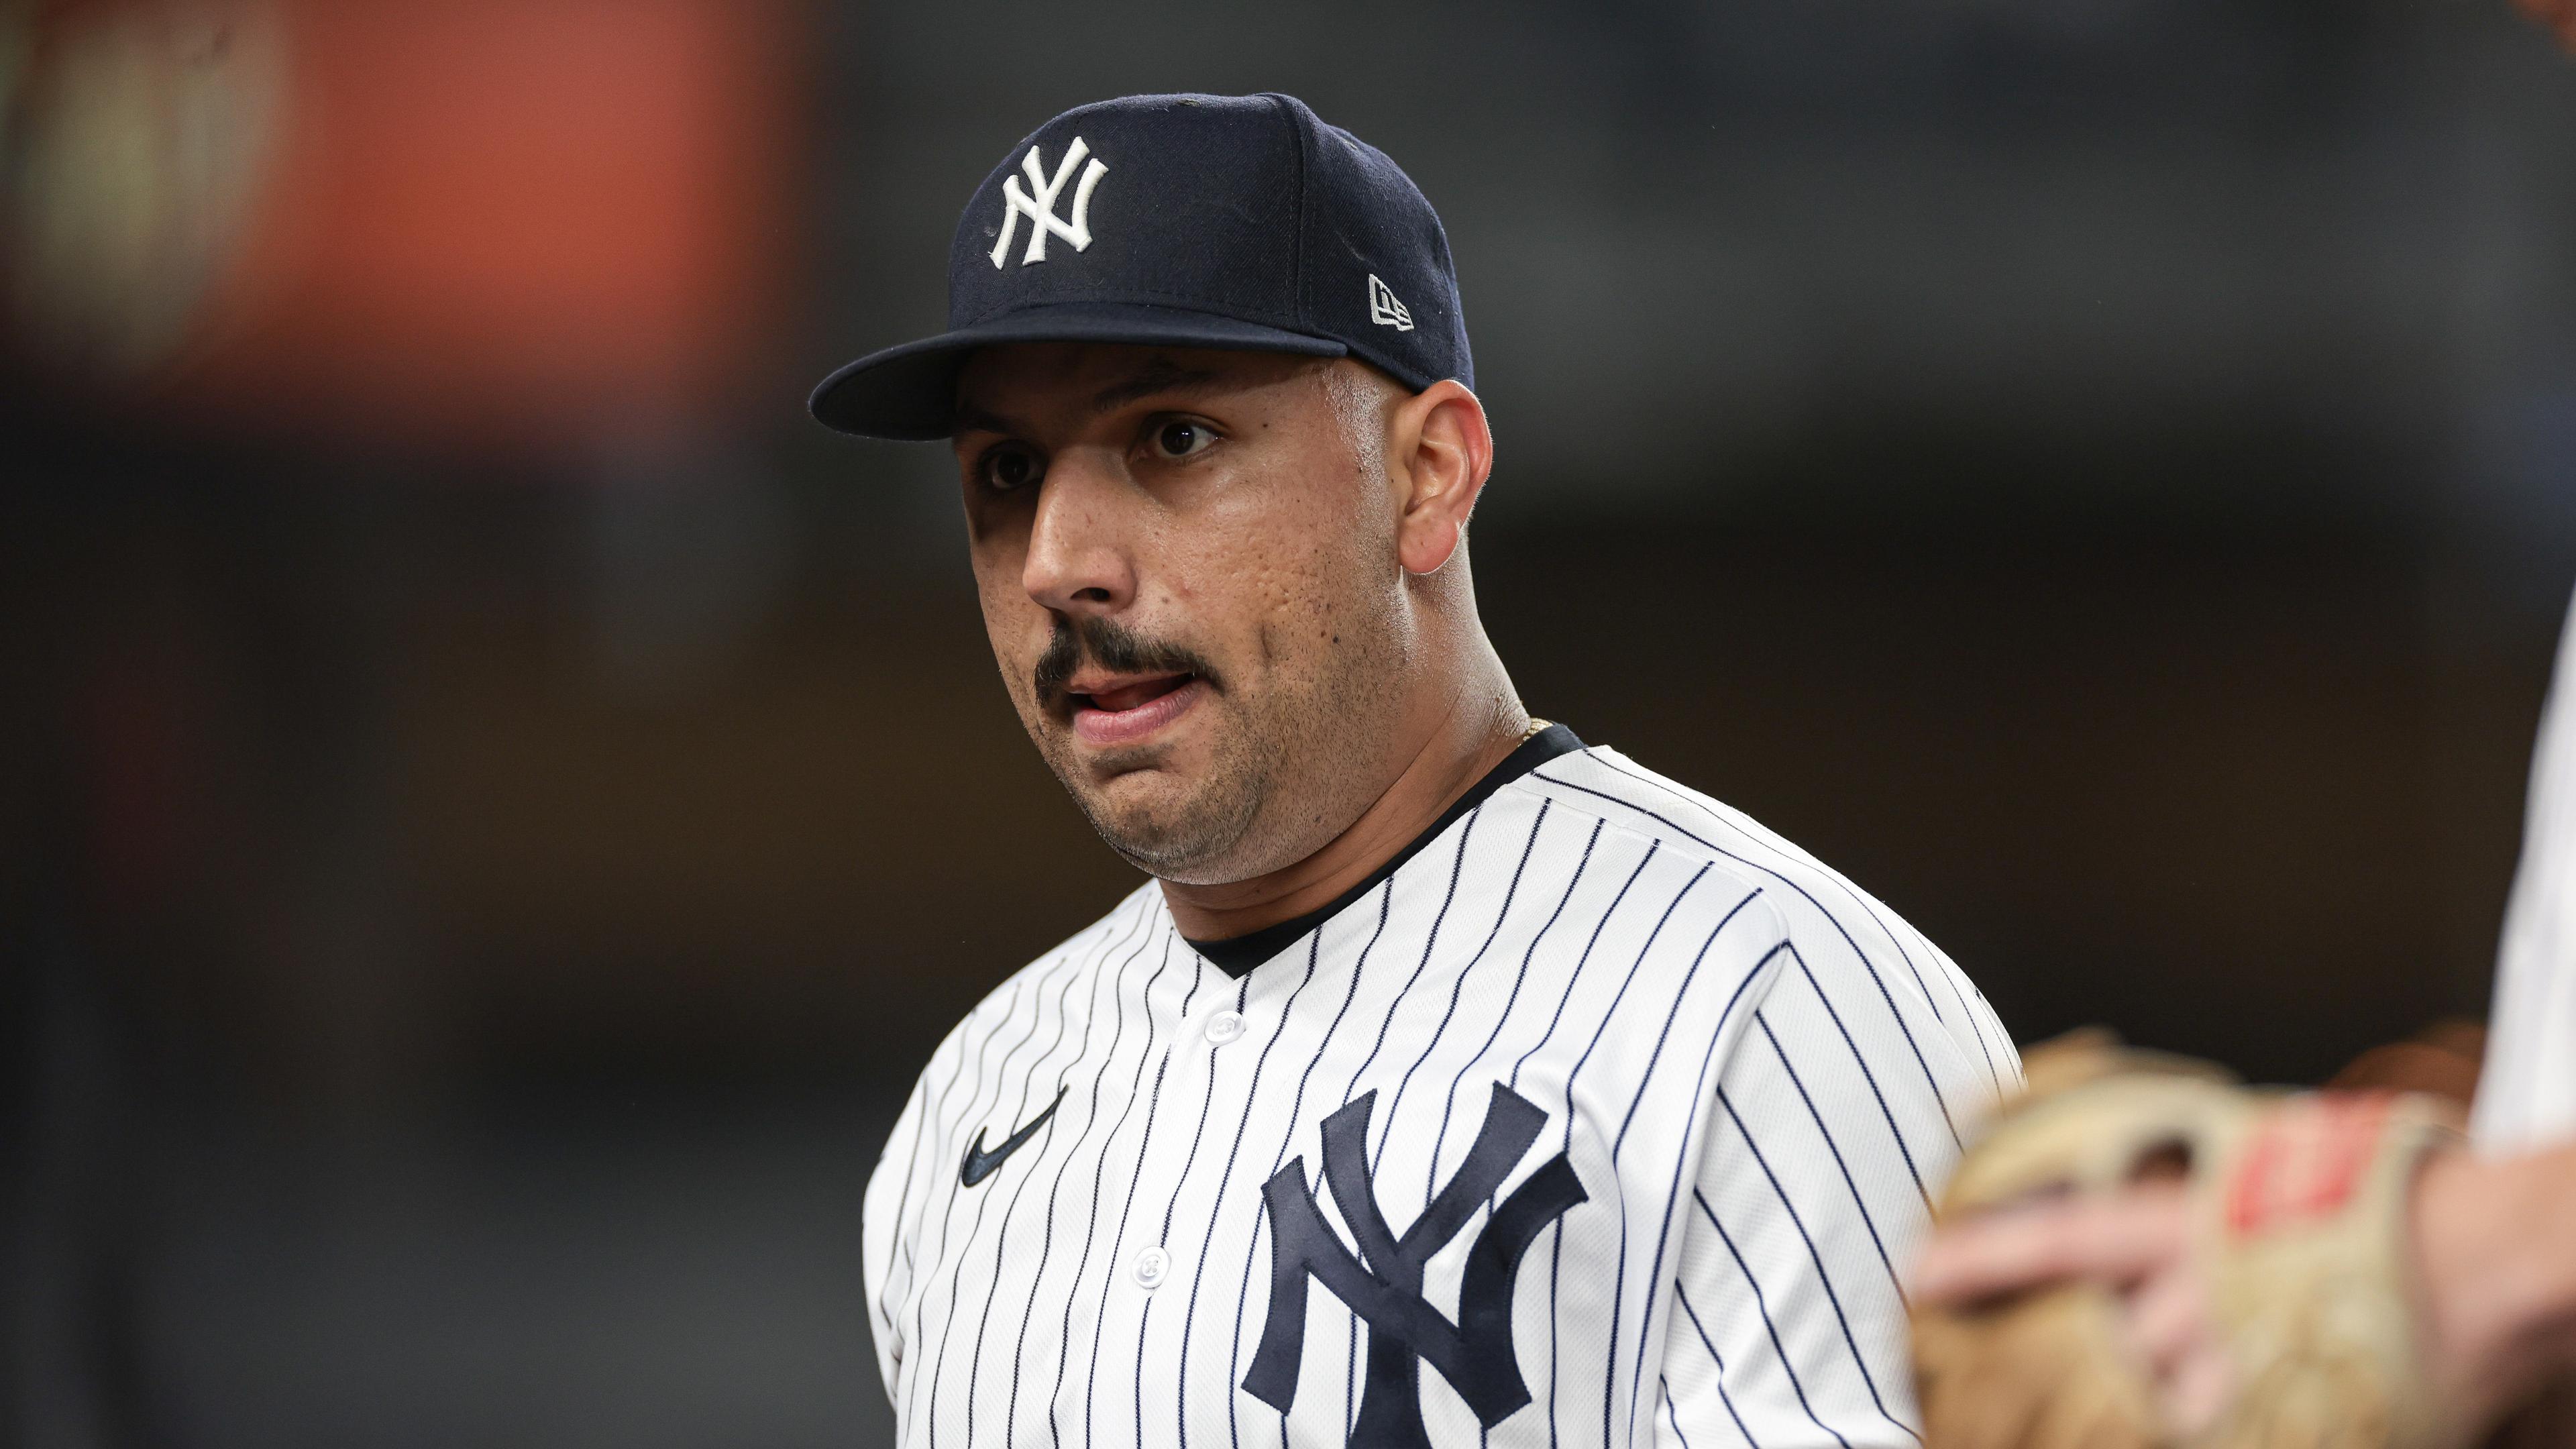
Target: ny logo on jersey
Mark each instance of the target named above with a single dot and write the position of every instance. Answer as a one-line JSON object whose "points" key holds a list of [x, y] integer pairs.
{"points": [[1038, 203], [1382, 1281]]}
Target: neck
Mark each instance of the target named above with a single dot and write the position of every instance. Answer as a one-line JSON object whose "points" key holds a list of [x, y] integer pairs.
{"points": [[1480, 728]]}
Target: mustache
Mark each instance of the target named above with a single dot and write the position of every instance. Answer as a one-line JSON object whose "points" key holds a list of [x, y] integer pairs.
{"points": [[1114, 647]]}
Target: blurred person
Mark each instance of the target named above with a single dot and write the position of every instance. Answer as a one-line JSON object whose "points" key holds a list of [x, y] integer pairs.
{"points": [[2432, 1304], [1439, 1037], [2476, 1308]]}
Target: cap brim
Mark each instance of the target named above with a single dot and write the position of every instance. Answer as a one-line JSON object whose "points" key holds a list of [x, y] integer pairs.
{"points": [[910, 392]]}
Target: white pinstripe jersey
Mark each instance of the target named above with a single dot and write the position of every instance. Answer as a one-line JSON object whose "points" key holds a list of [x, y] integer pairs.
{"points": [[1603, 1115]]}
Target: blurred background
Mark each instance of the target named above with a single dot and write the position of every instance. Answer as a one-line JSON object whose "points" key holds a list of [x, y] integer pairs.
{"points": [[495, 805]]}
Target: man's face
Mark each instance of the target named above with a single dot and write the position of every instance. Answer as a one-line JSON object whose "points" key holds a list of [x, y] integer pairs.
{"points": [[1188, 568]]}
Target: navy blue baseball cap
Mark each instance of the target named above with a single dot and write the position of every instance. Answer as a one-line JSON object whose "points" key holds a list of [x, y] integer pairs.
{"points": [[1234, 222]]}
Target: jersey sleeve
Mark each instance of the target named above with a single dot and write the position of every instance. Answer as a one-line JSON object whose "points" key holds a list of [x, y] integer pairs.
{"points": [[1789, 1324]]}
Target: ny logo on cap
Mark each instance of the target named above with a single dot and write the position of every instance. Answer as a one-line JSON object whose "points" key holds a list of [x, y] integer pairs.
{"points": [[1038, 202]]}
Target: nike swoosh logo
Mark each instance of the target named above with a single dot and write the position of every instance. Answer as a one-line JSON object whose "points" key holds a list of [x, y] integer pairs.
{"points": [[979, 1164]]}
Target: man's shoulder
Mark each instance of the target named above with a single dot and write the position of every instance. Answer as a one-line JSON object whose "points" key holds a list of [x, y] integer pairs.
{"points": [[1136, 919], [1836, 929], [1054, 981], [1601, 782]]}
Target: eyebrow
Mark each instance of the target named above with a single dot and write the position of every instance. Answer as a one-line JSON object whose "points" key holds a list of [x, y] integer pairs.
{"points": [[972, 419], [1159, 375]]}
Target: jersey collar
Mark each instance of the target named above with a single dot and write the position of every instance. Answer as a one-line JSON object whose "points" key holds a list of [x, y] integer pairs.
{"points": [[1237, 955]]}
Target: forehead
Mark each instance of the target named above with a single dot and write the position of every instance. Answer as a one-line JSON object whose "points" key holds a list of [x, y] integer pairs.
{"points": [[1024, 379]]}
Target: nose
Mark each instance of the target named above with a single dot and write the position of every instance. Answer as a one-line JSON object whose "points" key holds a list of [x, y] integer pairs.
{"points": [[1078, 560]]}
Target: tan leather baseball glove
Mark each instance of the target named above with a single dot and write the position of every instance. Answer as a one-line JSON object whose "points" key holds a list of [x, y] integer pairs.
{"points": [[2297, 1205]]}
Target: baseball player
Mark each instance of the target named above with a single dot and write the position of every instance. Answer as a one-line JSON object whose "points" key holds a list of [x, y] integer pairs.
{"points": [[1453, 1082]]}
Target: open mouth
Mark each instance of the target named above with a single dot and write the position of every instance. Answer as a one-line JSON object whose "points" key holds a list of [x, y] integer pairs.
{"points": [[1125, 711], [1123, 697]]}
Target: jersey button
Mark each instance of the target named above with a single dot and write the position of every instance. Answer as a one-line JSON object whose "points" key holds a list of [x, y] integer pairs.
{"points": [[1224, 1027], [1152, 1266]]}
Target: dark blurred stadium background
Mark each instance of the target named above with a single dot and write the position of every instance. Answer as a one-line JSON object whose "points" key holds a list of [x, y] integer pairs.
{"points": [[495, 806]]}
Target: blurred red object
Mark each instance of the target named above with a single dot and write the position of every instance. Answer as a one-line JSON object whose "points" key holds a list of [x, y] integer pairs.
{"points": [[453, 220], [2558, 15]]}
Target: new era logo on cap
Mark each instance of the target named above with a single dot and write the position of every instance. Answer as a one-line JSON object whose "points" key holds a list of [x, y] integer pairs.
{"points": [[1230, 222], [1384, 310]]}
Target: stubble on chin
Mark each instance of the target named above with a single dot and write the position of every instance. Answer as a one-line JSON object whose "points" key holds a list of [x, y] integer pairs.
{"points": [[1273, 789], [1287, 766], [1178, 827]]}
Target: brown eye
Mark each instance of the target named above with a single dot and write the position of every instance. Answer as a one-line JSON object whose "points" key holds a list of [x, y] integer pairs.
{"points": [[1180, 438], [1006, 469]]}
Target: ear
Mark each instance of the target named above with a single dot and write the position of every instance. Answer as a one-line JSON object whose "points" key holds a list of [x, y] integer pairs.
{"points": [[1440, 451]]}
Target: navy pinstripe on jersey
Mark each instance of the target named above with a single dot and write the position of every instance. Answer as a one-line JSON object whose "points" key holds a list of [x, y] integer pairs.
{"points": [[1733, 1080]]}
